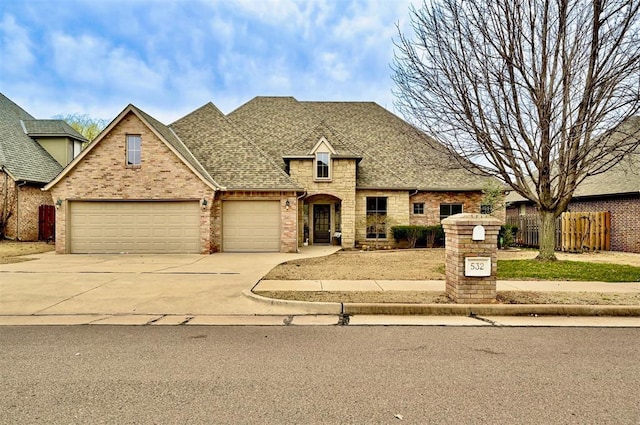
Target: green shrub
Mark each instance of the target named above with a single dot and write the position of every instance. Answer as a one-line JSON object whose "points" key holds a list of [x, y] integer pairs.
{"points": [[422, 236], [507, 236]]}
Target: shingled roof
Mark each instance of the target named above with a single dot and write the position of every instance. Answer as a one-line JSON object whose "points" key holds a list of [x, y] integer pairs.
{"points": [[621, 179], [227, 154], [39, 128], [20, 155], [394, 155]]}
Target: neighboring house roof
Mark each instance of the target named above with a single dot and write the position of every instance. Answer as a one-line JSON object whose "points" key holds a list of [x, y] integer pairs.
{"points": [[232, 159], [623, 178], [393, 153], [164, 133], [22, 157], [40, 128]]}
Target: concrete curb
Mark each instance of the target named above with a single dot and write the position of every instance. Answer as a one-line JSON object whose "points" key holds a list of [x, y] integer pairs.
{"points": [[491, 310], [401, 309], [307, 307]]}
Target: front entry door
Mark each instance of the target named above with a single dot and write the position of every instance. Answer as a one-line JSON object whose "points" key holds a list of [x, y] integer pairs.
{"points": [[321, 223]]}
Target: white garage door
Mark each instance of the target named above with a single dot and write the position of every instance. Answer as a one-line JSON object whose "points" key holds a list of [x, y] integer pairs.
{"points": [[251, 226], [134, 227]]}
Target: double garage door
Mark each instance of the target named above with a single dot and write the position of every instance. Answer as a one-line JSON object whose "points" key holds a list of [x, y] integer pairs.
{"points": [[251, 226], [138, 227], [134, 227]]}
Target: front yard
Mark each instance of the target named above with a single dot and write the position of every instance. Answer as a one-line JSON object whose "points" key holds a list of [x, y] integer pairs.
{"points": [[428, 264], [10, 251]]}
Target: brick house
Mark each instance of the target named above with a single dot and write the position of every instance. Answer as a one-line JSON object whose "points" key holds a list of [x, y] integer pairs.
{"points": [[32, 153], [616, 191], [272, 175]]}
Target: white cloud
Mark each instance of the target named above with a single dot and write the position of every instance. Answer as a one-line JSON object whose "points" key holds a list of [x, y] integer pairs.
{"points": [[89, 60], [15, 47]]}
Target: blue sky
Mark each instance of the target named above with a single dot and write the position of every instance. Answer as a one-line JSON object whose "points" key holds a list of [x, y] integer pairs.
{"points": [[171, 57]]}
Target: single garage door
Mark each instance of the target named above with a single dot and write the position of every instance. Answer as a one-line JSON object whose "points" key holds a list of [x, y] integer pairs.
{"points": [[134, 227], [251, 226]]}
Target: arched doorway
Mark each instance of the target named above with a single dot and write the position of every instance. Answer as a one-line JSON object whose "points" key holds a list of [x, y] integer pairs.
{"points": [[322, 219]]}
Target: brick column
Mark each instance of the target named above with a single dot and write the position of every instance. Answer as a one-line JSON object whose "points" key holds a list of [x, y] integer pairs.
{"points": [[460, 245]]}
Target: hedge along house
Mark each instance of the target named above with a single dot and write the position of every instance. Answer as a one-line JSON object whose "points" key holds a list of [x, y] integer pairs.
{"points": [[32, 153], [270, 176]]}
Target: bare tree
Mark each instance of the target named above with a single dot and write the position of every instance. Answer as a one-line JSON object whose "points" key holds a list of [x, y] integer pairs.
{"points": [[7, 201], [530, 90]]}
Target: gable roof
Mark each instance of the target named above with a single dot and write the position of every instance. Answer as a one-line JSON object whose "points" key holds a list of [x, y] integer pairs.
{"points": [[227, 154], [163, 133], [393, 154], [21, 156]]}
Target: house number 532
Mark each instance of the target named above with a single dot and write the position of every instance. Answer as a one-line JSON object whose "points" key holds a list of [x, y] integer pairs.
{"points": [[477, 266]]}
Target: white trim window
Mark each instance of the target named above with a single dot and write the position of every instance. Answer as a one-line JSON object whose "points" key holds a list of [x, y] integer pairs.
{"points": [[323, 166], [134, 150]]}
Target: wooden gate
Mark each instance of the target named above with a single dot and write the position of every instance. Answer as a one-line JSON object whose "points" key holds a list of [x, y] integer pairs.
{"points": [[46, 223], [586, 231]]}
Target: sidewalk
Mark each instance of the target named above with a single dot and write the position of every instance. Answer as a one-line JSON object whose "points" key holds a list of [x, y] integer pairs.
{"points": [[439, 285], [631, 312]]}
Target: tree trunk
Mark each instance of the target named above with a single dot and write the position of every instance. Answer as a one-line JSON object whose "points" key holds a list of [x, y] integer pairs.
{"points": [[547, 236]]}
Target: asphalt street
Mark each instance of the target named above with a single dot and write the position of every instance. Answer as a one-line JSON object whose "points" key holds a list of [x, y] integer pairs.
{"points": [[333, 375]]}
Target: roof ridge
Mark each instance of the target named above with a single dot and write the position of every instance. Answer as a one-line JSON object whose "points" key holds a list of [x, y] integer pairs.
{"points": [[363, 152], [259, 150], [155, 123]]}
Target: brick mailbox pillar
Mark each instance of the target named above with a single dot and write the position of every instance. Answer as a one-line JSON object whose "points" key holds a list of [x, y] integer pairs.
{"points": [[471, 255]]}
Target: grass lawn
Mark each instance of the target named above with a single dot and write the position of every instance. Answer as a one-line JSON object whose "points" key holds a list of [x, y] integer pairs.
{"points": [[566, 270]]}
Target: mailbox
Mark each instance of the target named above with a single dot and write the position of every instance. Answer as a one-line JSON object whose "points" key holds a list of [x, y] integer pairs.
{"points": [[478, 233]]}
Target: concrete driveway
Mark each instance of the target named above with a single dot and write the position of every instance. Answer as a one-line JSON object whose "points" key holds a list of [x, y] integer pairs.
{"points": [[143, 284]]}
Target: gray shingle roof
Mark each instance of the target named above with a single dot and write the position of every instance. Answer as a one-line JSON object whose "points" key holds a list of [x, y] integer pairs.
{"points": [[622, 178], [22, 156], [52, 128], [227, 154], [176, 143], [394, 154]]}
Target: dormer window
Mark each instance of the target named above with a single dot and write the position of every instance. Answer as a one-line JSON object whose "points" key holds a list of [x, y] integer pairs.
{"points": [[134, 148], [322, 165]]}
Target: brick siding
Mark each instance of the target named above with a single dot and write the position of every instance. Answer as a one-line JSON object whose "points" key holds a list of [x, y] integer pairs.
{"points": [[104, 175], [625, 219], [471, 203], [24, 201]]}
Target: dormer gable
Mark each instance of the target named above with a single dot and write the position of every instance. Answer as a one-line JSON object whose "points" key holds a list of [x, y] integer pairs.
{"points": [[322, 152], [323, 145]]}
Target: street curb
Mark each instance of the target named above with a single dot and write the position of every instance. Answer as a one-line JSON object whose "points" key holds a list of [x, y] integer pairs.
{"points": [[402, 309], [491, 310], [309, 307]]}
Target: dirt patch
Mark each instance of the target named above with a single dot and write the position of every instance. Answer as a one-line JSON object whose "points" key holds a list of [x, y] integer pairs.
{"points": [[428, 264], [11, 251], [420, 264], [417, 297], [417, 264]]}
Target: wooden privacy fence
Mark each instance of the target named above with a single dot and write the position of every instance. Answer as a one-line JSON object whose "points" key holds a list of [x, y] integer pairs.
{"points": [[575, 231], [586, 231]]}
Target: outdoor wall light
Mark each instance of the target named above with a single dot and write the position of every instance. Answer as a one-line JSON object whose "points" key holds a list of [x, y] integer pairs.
{"points": [[287, 205], [204, 203], [58, 203]]}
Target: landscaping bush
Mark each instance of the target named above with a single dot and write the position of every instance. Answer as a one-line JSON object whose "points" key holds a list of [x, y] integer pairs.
{"points": [[419, 236], [507, 236]]}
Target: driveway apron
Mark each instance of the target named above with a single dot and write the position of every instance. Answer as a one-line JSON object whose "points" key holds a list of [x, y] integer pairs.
{"points": [[143, 284]]}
